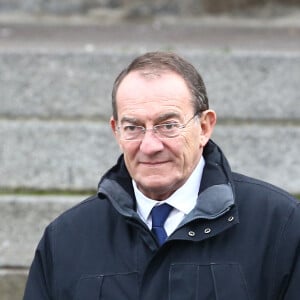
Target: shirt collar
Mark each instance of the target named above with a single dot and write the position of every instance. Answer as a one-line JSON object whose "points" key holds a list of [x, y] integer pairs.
{"points": [[184, 199]]}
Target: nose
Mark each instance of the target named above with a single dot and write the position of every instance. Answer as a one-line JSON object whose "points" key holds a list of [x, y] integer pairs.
{"points": [[150, 143]]}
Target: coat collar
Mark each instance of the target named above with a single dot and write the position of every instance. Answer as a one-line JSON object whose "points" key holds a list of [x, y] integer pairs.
{"points": [[216, 194]]}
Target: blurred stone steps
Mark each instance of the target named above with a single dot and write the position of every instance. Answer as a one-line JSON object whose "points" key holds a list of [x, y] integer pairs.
{"points": [[55, 85], [22, 221], [45, 155], [49, 98], [70, 85], [12, 283]]}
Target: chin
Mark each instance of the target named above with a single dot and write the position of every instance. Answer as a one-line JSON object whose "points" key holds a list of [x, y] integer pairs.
{"points": [[157, 189]]}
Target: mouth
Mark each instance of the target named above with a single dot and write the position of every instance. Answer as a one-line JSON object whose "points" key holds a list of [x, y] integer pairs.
{"points": [[153, 163]]}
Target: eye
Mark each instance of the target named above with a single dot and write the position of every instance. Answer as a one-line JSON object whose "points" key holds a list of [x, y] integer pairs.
{"points": [[130, 128], [168, 126]]}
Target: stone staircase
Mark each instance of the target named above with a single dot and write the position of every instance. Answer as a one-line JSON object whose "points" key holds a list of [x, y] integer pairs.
{"points": [[56, 76]]}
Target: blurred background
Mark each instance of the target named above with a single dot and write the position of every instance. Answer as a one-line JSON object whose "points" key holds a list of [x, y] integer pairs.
{"points": [[58, 61]]}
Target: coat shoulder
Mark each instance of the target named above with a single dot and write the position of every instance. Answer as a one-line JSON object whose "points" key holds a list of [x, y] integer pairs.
{"points": [[255, 188], [89, 210]]}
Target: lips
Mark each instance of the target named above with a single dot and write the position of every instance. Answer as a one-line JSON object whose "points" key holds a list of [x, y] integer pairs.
{"points": [[153, 163]]}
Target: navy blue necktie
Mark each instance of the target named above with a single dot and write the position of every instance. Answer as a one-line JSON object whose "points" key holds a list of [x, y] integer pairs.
{"points": [[159, 215]]}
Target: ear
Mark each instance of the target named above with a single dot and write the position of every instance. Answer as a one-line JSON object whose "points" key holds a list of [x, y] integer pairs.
{"points": [[208, 121], [114, 128]]}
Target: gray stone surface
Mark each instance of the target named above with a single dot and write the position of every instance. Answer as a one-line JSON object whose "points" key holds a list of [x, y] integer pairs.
{"points": [[12, 283], [54, 155], [23, 220], [73, 155], [78, 85], [44, 6], [58, 85], [216, 34], [146, 8], [268, 152]]}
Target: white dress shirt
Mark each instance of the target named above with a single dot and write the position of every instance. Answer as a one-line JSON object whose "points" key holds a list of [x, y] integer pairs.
{"points": [[183, 200]]}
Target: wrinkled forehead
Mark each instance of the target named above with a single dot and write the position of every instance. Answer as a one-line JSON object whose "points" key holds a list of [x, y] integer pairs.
{"points": [[166, 93]]}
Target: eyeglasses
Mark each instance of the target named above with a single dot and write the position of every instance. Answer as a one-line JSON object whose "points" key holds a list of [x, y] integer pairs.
{"points": [[162, 131]]}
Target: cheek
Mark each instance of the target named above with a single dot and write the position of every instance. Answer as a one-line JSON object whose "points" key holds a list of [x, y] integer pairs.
{"points": [[191, 150], [127, 146], [192, 143], [129, 150]]}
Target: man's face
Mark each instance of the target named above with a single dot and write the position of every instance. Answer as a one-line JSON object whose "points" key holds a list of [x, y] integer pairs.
{"points": [[159, 166]]}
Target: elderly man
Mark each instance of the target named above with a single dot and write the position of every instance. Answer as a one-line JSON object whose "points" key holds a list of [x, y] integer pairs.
{"points": [[170, 219]]}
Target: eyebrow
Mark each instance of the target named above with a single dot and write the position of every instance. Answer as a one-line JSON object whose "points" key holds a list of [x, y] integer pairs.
{"points": [[167, 116], [160, 119], [129, 120]]}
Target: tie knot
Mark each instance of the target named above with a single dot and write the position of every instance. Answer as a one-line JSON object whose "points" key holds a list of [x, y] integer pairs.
{"points": [[159, 214]]}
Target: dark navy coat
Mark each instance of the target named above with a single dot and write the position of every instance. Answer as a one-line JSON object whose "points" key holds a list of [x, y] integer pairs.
{"points": [[240, 242]]}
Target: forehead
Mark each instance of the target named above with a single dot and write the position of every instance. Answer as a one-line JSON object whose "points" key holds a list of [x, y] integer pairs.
{"points": [[149, 92]]}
